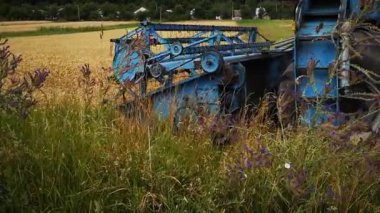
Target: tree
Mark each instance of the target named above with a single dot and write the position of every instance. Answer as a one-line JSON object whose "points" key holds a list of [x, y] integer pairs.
{"points": [[4, 10], [179, 12], [18, 13], [70, 12], [109, 11], [252, 4], [88, 11]]}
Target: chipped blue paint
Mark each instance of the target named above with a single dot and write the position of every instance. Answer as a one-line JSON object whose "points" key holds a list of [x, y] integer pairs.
{"points": [[317, 50]]}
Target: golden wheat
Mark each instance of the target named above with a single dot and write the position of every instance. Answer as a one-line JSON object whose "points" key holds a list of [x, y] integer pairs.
{"points": [[64, 55], [35, 25]]}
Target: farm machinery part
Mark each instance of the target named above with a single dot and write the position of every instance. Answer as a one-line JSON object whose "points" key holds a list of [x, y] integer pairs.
{"points": [[195, 70], [325, 70]]}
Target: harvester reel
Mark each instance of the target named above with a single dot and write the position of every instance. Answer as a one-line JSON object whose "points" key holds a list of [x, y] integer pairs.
{"points": [[176, 49], [211, 62]]}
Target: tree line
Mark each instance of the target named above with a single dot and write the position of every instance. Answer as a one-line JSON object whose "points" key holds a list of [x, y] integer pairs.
{"points": [[75, 10]]}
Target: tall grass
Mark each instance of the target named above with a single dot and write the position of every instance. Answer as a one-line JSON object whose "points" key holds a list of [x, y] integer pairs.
{"points": [[69, 157], [65, 158]]}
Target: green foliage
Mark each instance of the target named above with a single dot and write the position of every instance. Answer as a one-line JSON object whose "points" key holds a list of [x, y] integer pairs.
{"points": [[69, 158], [19, 13], [220, 9], [70, 13], [99, 162]]}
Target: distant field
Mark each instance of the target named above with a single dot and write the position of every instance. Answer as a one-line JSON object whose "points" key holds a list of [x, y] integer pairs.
{"points": [[21, 26], [7, 23], [64, 54], [272, 29], [18, 26]]}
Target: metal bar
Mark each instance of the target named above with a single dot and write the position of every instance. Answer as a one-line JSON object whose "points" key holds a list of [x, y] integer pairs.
{"points": [[286, 41], [202, 49], [189, 40], [194, 50], [185, 27], [167, 53]]}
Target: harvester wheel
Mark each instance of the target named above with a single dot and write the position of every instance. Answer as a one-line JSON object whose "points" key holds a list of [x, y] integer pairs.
{"points": [[157, 71], [211, 62], [176, 49]]}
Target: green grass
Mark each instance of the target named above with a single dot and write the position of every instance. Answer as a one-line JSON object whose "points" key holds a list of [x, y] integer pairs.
{"points": [[272, 29], [70, 159], [64, 30]]}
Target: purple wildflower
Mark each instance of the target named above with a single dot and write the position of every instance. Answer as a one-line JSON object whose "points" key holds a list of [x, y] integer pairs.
{"points": [[330, 192]]}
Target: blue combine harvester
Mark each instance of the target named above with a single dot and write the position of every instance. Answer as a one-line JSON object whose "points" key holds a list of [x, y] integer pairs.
{"points": [[193, 67], [218, 70]]}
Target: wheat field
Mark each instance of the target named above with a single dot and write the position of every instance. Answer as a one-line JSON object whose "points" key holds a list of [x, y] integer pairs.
{"points": [[16, 26], [64, 55]]}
